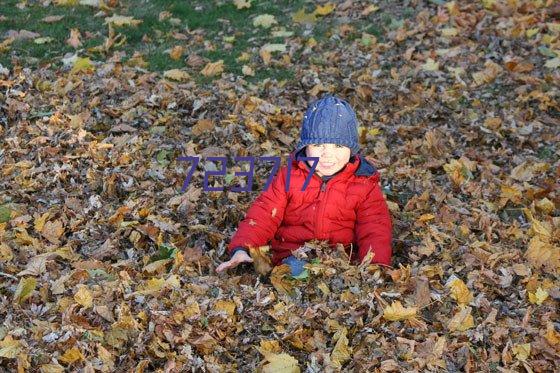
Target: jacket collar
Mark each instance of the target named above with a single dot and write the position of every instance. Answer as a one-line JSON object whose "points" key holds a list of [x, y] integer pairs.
{"points": [[357, 165]]}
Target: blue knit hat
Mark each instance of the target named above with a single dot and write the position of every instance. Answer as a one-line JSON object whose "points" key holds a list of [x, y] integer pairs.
{"points": [[329, 120]]}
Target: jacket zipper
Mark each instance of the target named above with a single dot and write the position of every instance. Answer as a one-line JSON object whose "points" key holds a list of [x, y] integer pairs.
{"points": [[321, 209]]}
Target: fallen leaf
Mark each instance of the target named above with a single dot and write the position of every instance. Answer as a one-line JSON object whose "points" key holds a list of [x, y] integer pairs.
{"points": [[71, 356], [302, 17], [430, 65], [118, 21], [82, 64], [177, 74], [247, 71], [460, 292], [24, 289], [176, 52], [522, 351], [279, 362], [202, 126], [323, 10], [52, 19], [396, 312], [242, 4], [538, 297], [74, 39], [281, 279], [261, 259], [213, 68], [463, 320], [341, 353], [10, 347], [488, 75], [83, 297], [264, 20]]}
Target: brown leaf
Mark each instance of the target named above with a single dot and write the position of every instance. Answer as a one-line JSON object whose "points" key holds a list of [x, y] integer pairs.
{"points": [[202, 126]]}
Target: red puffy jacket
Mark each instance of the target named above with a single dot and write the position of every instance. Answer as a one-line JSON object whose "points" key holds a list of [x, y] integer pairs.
{"points": [[348, 209]]}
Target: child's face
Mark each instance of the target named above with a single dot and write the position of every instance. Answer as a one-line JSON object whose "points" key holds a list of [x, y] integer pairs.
{"points": [[332, 157]]}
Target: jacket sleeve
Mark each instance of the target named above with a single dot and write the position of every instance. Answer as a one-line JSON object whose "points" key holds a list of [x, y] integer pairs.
{"points": [[263, 217], [374, 226]]}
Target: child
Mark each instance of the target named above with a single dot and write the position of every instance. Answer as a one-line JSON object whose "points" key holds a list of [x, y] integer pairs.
{"points": [[342, 203]]}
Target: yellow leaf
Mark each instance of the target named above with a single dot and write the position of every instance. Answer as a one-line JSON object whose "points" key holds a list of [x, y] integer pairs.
{"points": [[542, 253], [430, 65], [449, 32], [370, 9], [323, 10], [5, 44], [280, 279], [191, 309], [265, 55], [244, 57], [460, 292], [396, 312], [545, 205], [261, 259], [246, 70], [82, 64], [341, 352], [488, 75], [24, 289], [277, 363], [462, 320], [264, 20], [488, 4], [522, 351], [153, 285], [553, 63], [301, 17], [240, 4], [40, 222], [274, 47], [176, 74], [172, 282], [532, 32], [117, 21], [425, 217], [157, 265], [226, 306], [270, 346], [6, 253], [553, 27], [66, 2], [213, 68], [83, 297], [176, 52], [10, 348], [538, 297], [522, 172], [72, 355], [511, 193], [324, 288], [51, 368]]}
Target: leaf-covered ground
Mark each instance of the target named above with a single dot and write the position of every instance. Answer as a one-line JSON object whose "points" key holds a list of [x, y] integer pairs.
{"points": [[105, 265]]}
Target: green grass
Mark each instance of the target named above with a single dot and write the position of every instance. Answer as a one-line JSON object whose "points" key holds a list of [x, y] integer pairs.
{"points": [[216, 20]]}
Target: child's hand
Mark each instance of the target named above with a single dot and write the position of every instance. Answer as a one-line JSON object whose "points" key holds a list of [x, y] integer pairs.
{"points": [[239, 257]]}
